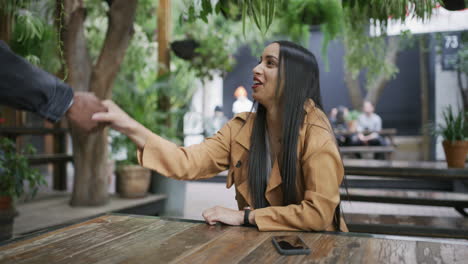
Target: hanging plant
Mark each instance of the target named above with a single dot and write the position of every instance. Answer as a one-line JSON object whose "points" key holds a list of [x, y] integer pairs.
{"points": [[230, 9], [185, 49], [297, 17], [454, 5], [366, 50]]}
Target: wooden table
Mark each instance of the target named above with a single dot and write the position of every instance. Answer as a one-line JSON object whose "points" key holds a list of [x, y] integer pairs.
{"points": [[404, 169], [138, 239]]}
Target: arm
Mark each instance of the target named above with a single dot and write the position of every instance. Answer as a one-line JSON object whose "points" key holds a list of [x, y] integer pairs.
{"points": [[26, 87], [323, 172], [154, 152]]}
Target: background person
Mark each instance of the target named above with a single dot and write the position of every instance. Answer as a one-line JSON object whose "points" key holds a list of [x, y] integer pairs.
{"points": [[242, 103]]}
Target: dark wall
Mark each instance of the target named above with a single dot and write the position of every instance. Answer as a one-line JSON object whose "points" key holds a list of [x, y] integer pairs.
{"points": [[399, 105]]}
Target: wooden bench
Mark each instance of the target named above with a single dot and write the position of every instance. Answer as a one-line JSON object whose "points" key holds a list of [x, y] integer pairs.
{"points": [[387, 150], [449, 227], [459, 201], [405, 171]]}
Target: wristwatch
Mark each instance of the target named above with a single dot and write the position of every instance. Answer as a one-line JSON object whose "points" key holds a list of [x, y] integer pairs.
{"points": [[246, 217]]}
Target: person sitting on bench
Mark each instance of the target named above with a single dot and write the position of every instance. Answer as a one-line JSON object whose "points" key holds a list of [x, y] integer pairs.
{"points": [[368, 127]]}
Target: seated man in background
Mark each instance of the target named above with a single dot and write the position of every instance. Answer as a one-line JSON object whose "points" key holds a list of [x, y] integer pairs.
{"points": [[338, 121], [368, 128]]}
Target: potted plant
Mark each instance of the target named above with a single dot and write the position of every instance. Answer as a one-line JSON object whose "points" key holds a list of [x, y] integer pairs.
{"points": [[455, 135], [141, 103], [14, 173]]}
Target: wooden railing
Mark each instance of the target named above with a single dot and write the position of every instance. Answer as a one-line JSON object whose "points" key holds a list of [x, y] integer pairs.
{"points": [[58, 158]]}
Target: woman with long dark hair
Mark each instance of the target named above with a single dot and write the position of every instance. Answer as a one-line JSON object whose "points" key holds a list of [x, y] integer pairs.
{"points": [[283, 159]]}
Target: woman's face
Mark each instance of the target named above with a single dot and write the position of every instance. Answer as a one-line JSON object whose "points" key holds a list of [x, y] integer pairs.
{"points": [[265, 76]]}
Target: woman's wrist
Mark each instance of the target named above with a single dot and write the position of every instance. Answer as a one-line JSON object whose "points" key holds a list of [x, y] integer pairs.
{"points": [[138, 134], [252, 218]]}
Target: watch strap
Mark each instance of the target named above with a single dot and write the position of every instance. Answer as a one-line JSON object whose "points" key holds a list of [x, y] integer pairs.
{"points": [[246, 217]]}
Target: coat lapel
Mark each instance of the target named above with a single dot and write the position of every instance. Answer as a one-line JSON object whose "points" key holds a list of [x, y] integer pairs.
{"points": [[273, 193]]}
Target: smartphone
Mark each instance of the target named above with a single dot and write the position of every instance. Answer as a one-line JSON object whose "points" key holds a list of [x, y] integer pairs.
{"points": [[290, 245]]}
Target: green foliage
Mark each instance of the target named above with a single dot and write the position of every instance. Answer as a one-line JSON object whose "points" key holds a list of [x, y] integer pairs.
{"points": [[462, 61], [296, 17], [15, 170], [219, 39], [215, 46], [379, 11], [262, 13], [353, 115], [140, 102], [367, 50], [455, 127], [34, 35]]}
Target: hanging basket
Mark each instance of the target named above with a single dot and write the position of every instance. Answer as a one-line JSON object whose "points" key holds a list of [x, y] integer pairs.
{"points": [[454, 5], [455, 153], [185, 49]]}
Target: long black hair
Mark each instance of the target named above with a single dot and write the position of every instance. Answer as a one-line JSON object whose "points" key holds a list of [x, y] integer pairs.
{"points": [[298, 72]]}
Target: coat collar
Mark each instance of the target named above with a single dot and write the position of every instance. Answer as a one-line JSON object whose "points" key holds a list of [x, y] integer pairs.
{"points": [[243, 136]]}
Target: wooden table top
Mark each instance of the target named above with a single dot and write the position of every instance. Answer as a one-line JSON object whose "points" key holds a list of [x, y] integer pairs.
{"points": [[405, 169], [142, 239]]}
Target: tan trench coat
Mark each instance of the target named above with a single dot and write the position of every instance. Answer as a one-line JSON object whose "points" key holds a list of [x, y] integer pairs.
{"points": [[319, 165]]}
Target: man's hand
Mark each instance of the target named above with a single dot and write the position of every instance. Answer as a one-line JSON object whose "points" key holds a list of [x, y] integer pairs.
{"points": [[83, 107], [223, 215]]}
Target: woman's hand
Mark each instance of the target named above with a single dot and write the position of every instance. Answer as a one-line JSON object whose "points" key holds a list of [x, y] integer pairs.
{"points": [[226, 216], [223, 215], [122, 122]]}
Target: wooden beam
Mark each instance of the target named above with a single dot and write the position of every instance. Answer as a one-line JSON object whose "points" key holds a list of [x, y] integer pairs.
{"points": [[164, 31], [164, 61]]}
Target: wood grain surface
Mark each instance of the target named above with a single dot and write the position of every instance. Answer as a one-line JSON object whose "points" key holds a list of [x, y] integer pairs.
{"points": [[137, 239]]}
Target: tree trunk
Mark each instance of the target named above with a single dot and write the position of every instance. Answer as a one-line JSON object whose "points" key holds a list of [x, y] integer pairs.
{"points": [[90, 151], [375, 89], [354, 89]]}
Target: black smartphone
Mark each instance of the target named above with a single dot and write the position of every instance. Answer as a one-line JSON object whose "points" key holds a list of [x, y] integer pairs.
{"points": [[290, 245]]}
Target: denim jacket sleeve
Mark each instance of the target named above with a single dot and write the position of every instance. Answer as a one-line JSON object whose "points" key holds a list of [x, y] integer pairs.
{"points": [[26, 87]]}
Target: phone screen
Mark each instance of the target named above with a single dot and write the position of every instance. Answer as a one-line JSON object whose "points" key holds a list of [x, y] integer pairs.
{"points": [[291, 243]]}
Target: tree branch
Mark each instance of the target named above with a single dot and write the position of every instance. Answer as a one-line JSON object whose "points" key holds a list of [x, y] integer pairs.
{"points": [[118, 36], [376, 88], [76, 53]]}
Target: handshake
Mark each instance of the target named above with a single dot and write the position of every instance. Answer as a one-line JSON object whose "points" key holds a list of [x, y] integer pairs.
{"points": [[82, 109]]}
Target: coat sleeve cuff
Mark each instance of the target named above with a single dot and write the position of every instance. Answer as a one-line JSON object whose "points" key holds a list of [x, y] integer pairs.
{"points": [[59, 103]]}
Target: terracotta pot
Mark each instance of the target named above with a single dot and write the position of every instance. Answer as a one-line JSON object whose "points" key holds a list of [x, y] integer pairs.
{"points": [[7, 215], [133, 181], [455, 153], [6, 203]]}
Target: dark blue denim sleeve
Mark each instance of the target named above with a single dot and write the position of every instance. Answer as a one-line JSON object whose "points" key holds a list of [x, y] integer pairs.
{"points": [[26, 87]]}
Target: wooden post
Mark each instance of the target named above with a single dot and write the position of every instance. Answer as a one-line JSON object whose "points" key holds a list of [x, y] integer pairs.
{"points": [[163, 36], [164, 31], [423, 75]]}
